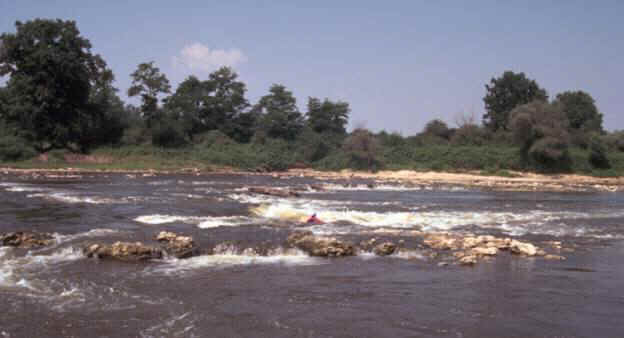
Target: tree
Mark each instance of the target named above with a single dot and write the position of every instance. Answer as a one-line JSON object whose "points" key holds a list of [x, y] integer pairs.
{"points": [[540, 129], [280, 117], [52, 77], [216, 103], [188, 105], [362, 147], [580, 108], [506, 93], [149, 82], [438, 128], [229, 98], [327, 116]]}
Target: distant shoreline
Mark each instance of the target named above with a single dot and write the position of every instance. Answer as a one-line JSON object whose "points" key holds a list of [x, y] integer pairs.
{"points": [[521, 181]]}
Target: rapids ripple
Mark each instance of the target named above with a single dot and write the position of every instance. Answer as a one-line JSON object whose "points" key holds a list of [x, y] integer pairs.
{"points": [[542, 259]]}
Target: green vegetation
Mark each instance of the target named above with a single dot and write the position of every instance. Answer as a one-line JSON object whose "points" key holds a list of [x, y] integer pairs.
{"points": [[59, 103]]}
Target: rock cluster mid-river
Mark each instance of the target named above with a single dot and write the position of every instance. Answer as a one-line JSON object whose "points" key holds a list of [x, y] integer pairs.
{"points": [[405, 261]]}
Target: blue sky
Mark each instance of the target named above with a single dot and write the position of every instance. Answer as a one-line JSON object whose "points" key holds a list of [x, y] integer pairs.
{"points": [[398, 63]]}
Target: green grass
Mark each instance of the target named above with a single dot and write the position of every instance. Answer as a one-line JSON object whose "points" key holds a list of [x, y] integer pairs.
{"points": [[279, 155]]}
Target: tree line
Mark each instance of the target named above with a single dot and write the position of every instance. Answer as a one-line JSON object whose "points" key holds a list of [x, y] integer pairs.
{"points": [[60, 95]]}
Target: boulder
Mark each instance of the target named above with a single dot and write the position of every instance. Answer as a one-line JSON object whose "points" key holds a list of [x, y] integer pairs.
{"points": [[484, 251], [441, 242], [317, 187], [522, 248], [123, 251], [554, 257], [468, 260], [384, 249], [273, 192], [320, 245], [26, 239], [176, 245]]}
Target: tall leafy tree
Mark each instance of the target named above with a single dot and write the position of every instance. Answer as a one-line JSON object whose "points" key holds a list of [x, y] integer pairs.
{"points": [[280, 117], [216, 103], [504, 94], [149, 83], [189, 104], [581, 110], [52, 76], [327, 116]]}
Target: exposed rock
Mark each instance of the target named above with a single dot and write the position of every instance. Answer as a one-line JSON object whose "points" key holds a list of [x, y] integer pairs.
{"points": [[273, 192], [443, 264], [319, 245], [317, 187], [26, 239], [487, 241], [124, 251], [385, 249], [522, 248], [468, 260], [178, 246], [441, 242], [554, 244], [554, 257], [483, 251]]}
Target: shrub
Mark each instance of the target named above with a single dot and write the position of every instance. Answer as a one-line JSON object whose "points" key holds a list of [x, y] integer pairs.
{"points": [[168, 135], [438, 128], [468, 134], [597, 154], [539, 128], [363, 149], [14, 148]]}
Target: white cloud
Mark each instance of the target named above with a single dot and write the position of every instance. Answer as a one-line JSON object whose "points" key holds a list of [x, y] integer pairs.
{"points": [[199, 57]]}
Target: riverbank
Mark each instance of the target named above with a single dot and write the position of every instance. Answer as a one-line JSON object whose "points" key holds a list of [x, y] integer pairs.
{"points": [[519, 181]]}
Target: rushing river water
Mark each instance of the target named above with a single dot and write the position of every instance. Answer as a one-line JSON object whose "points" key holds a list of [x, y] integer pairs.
{"points": [[277, 291]]}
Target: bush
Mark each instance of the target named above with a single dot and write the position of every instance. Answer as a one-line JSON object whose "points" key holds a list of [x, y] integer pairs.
{"points": [[469, 134], [168, 135], [597, 154], [212, 138], [14, 148], [550, 154], [438, 128], [540, 130]]}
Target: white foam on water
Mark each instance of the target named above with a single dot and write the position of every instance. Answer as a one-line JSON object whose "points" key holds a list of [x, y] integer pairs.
{"points": [[228, 258], [203, 222], [20, 187], [162, 219], [214, 222], [68, 198], [21, 271], [91, 233], [513, 223], [177, 326]]}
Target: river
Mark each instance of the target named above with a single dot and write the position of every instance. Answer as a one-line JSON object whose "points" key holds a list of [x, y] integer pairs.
{"points": [[250, 284]]}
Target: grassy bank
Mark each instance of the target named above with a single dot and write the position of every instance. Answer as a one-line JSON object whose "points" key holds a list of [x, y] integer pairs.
{"points": [[489, 160]]}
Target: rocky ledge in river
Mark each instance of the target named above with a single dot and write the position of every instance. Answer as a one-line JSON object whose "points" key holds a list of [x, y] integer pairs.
{"points": [[319, 245], [26, 239], [273, 192], [468, 250], [123, 251], [176, 245]]}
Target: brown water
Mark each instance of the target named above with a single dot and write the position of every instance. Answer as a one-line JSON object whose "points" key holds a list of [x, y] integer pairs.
{"points": [[282, 292]]}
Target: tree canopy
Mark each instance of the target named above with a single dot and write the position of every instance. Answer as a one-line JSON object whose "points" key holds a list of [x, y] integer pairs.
{"points": [[280, 117], [149, 82], [53, 75], [327, 116], [504, 94], [580, 109]]}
